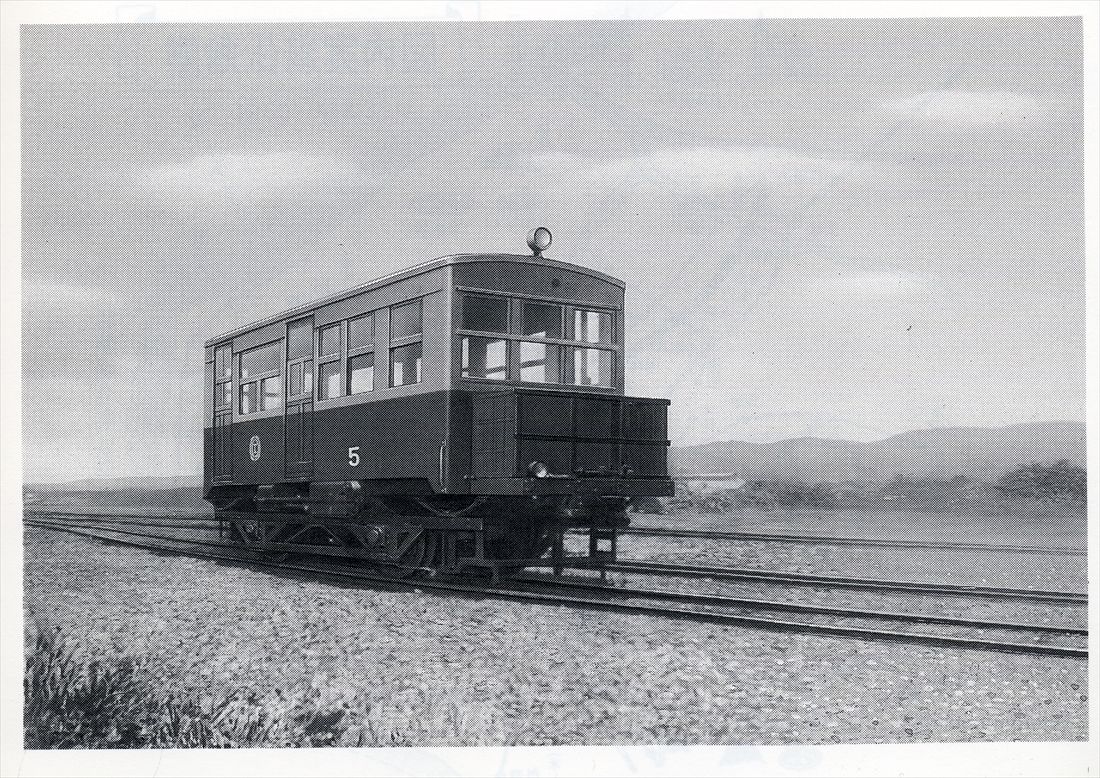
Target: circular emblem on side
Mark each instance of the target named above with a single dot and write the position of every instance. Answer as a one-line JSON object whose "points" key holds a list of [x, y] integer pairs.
{"points": [[254, 447]]}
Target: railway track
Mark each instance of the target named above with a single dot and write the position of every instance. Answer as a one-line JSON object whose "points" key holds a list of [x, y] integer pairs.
{"points": [[846, 541], [190, 519], [685, 570], [843, 582], [611, 599]]}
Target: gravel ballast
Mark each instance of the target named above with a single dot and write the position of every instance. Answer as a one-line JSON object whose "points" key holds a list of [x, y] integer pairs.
{"points": [[420, 669]]}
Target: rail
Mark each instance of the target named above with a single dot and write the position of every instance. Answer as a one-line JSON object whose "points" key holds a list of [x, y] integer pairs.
{"points": [[216, 549]]}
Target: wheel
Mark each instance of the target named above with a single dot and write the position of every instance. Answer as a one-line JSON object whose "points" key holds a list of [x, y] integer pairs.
{"points": [[419, 558]]}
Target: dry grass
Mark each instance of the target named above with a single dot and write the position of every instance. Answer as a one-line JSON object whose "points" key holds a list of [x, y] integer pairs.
{"points": [[118, 702]]}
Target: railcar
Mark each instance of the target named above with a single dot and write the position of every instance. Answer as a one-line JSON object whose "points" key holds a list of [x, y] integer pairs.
{"points": [[462, 414]]}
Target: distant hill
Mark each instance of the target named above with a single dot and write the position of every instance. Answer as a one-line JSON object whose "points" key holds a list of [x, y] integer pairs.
{"points": [[978, 452], [133, 484]]}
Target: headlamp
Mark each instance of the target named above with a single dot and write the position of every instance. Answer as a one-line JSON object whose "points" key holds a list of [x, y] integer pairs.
{"points": [[539, 240]]}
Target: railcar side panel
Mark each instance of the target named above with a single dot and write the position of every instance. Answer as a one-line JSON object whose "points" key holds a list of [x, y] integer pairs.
{"points": [[258, 449], [395, 438]]}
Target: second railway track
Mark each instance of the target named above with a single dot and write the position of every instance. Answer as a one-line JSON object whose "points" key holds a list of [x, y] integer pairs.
{"points": [[611, 599], [843, 582], [832, 540]]}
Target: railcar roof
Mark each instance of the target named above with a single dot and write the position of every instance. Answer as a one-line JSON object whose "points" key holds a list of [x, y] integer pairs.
{"points": [[415, 270]]}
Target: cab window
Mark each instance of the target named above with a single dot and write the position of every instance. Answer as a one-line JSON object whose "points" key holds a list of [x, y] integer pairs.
{"points": [[484, 358], [592, 326], [591, 367], [541, 320], [484, 314], [539, 362]]}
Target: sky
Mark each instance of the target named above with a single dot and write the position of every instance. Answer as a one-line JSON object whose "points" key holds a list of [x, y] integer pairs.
{"points": [[834, 228]]}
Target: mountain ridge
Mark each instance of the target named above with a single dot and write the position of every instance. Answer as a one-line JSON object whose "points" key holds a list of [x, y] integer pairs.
{"points": [[984, 453]]}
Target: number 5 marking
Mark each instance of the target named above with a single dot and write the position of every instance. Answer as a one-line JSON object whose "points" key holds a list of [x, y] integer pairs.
{"points": [[353, 456]]}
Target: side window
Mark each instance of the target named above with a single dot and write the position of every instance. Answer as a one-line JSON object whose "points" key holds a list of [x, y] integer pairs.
{"points": [[299, 359], [330, 341], [406, 320], [360, 367], [328, 380], [361, 373], [299, 339], [330, 355], [406, 334], [259, 379], [405, 365], [223, 377], [345, 357]]}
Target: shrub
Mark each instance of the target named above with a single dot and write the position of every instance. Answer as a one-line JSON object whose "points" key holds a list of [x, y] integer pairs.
{"points": [[794, 494], [120, 702], [1062, 480]]}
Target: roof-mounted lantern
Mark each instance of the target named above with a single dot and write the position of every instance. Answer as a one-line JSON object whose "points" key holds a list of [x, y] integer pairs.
{"points": [[539, 240]]}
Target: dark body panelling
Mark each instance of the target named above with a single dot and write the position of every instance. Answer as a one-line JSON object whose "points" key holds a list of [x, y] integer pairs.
{"points": [[398, 438], [436, 439], [258, 450]]}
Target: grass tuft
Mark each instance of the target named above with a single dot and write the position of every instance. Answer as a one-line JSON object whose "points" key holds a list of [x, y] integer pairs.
{"points": [[120, 702]]}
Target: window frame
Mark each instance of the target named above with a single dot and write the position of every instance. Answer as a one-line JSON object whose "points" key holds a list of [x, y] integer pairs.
{"points": [[341, 360], [561, 360], [522, 323], [406, 340], [350, 352], [349, 373], [575, 309], [221, 381], [507, 315], [465, 343], [570, 361], [299, 363], [258, 379], [515, 339], [373, 329], [324, 360]]}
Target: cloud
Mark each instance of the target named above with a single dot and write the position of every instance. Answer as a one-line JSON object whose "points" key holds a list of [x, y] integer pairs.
{"points": [[707, 171], [868, 283], [252, 175], [46, 295], [956, 109], [723, 168]]}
